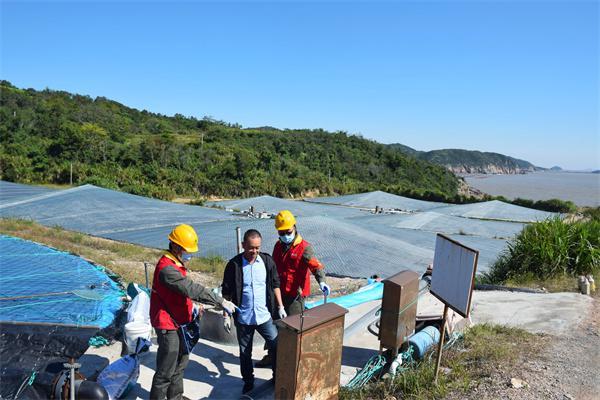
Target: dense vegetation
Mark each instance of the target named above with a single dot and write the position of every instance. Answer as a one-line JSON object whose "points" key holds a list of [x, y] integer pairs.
{"points": [[471, 159], [140, 152], [592, 213], [552, 205], [550, 249]]}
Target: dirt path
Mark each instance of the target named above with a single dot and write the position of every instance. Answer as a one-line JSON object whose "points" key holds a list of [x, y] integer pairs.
{"points": [[567, 367]]}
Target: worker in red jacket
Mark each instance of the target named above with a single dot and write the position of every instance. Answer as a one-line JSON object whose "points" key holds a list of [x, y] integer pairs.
{"points": [[295, 259], [170, 306]]}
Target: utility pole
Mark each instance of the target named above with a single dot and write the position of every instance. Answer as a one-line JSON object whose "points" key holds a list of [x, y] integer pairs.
{"points": [[71, 175]]}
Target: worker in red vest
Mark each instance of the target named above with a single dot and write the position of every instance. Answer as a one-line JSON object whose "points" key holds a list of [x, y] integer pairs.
{"points": [[170, 306], [295, 259]]}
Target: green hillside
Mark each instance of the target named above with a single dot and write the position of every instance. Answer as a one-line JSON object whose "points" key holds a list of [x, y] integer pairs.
{"points": [[460, 160], [145, 153]]}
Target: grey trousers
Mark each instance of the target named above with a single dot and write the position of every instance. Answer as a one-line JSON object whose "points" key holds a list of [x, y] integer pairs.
{"points": [[170, 365]]}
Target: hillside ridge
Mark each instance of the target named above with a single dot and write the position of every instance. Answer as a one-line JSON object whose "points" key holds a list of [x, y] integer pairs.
{"points": [[461, 161], [108, 144]]}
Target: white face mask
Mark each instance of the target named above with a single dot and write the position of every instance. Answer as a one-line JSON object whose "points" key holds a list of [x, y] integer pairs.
{"points": [[287, 239]]}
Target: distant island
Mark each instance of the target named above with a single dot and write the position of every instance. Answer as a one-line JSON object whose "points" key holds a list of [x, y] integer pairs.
{"points": [[556, 168], [461, 161]]}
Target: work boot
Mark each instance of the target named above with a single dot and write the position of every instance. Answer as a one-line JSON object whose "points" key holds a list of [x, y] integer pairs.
{"points": [[266, 362]]}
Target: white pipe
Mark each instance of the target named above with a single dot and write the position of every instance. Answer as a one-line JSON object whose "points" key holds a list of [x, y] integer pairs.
{"points": [[395, 364]]}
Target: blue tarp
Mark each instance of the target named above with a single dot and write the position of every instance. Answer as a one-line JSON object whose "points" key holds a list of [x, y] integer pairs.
{"points": [[371, 292], [53, 283]]}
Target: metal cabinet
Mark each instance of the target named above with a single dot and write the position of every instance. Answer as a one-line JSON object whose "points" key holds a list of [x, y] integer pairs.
{"points": [[398, 309], [309, 354]]}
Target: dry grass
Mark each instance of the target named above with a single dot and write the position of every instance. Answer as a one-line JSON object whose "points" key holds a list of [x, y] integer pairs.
{"points": [[553, 285], [124, 259], [485, 349]]}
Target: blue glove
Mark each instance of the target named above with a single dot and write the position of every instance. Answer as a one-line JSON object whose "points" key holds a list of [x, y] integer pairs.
{"points": [[325, 288]]}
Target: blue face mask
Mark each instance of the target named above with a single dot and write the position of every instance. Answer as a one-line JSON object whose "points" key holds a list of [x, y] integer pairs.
{"points": [[186, 257], [287, 239]]}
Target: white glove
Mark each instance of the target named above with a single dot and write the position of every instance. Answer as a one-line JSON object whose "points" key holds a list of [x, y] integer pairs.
{"points": [[228, 306], [227, 323], [325, 288], [282, 313], [198, 310]]}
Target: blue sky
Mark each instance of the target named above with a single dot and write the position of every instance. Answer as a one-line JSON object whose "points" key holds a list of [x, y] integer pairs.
{"points": [[514, 77]]}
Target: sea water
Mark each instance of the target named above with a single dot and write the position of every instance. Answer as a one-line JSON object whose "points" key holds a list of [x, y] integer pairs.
{"points": [[581, 188]]}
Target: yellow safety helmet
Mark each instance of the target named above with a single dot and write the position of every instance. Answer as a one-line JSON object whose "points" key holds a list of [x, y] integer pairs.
{"points": [[185, 236], [284, 220]]}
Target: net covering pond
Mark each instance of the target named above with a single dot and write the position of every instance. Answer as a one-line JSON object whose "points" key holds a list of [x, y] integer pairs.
{"points": [[348, 238], [43, 285], [10, 192], [378, 199]]}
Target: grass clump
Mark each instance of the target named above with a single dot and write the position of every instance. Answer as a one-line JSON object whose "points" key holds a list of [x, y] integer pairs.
{"points": [[485, 350], [592, 213], [549, 250], [213, 265], [551, 205]]}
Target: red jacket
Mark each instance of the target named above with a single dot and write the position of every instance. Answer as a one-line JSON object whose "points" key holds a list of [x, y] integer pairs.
{"points": [[294, 267], [178, 306]]}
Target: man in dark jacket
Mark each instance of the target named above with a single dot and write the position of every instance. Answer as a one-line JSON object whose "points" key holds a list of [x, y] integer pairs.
{"points": [[170, 306], [251, 282]]}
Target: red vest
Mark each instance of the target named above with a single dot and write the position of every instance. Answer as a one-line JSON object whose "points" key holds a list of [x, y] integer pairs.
{"points": [[179, 306], [293, 272]]}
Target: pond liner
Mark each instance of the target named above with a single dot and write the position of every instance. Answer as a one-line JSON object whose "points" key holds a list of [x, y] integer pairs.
{"points": [[40, 348], [36, 339]]}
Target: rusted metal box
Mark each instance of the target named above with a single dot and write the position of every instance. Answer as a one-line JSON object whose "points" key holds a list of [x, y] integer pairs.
{"points": [[398, 309], [309, 354]]}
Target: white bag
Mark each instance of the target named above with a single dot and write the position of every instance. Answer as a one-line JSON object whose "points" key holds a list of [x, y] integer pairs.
{"points": [[139, 308]]}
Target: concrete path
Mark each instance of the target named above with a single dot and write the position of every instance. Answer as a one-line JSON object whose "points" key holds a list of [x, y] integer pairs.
{"points": [[213, 371]]}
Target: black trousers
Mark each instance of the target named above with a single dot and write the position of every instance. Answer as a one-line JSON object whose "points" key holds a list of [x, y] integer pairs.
{"points": [[170, 365], [293, 305], [245, 334]]}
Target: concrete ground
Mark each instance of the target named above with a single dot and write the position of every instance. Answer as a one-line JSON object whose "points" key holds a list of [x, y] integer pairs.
{"points": [[213, 371]]}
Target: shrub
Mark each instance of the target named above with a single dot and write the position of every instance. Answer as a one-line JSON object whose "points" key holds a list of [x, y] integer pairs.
{"points": [[549, 249], [592, 213], [552, 205]]}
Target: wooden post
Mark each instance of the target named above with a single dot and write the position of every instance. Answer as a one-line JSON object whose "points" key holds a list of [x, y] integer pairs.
{"points": [[71, 176], [146, 274], [440, 344]]}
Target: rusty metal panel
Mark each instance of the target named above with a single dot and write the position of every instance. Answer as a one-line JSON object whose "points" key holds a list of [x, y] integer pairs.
{"points": [[313, 317], [398, 309], [309, 361], [287, 363]]}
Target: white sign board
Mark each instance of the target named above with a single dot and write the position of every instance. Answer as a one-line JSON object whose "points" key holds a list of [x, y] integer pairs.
{"points": [[452, 279]]}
